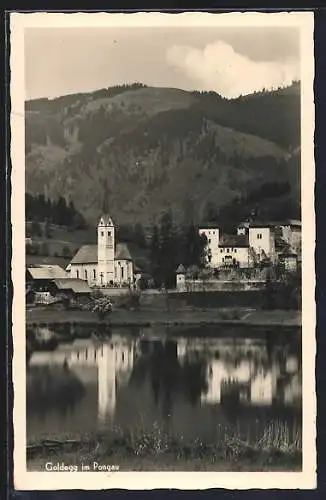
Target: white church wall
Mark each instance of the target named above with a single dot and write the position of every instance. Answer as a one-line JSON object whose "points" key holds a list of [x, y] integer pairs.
{"points": [[123, 272], [87, 272]]}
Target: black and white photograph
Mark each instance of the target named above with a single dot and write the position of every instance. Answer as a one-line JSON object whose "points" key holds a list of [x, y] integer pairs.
{"points": [[163, 250]]}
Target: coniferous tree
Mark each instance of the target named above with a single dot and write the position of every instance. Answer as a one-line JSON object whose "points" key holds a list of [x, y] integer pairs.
{"points": [[155, 254], [139, 235], [193, 247], [169, 249]]}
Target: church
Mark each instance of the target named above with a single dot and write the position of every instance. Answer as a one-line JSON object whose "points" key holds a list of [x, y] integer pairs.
{"points": [[106, 264]]}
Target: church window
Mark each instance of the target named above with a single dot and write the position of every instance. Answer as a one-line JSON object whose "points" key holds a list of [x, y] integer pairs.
{"points": [[209, 241], [122, 272], [109, 233], [102, 233], [221, 250], [85, 274], [77, 274], [94, 274]]}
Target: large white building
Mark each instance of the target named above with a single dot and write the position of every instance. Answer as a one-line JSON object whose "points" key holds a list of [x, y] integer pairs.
{"points": [[106, 263], [253, 243]]}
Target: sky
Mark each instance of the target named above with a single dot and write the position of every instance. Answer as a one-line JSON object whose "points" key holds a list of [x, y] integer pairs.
{"points": [[232, 61]]}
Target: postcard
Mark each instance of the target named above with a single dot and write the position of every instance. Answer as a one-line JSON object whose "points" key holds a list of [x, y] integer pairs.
{"points": [[163, 242]]}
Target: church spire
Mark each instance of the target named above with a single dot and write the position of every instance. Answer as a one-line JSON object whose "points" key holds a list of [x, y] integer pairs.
{"points": [[105, 200]]}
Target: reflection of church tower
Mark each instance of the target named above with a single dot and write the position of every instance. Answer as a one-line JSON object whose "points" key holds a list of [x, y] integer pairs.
{"points": [[106, 382]]}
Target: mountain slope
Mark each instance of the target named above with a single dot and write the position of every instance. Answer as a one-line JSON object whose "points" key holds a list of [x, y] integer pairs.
{"points": [[158, 147]]}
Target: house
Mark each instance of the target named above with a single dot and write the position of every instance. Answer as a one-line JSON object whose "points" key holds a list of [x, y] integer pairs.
{"points": [[262, 241], [44, 282], [212, 233], [106, 263], [291, 233], [39, 277], [253, 244], [71, 288], [181, 278], [234, 250]]}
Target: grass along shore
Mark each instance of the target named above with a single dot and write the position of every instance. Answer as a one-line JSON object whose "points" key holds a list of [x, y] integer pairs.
{"points": [[276, 449], [149, 317]]}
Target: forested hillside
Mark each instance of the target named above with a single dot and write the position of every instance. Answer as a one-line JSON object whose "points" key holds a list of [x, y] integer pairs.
{"points": [[197, 154]]}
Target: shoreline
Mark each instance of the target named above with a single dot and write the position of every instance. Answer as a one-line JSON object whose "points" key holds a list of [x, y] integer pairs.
{"points": [[149, 318], [157, 452]]}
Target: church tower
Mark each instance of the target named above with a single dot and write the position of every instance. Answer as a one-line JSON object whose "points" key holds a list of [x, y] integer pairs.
{"points": [[105, 242], [105, 250]]}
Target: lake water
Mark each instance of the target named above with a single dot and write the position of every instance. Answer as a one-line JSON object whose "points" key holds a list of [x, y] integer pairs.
{"points": [[192, 383]]}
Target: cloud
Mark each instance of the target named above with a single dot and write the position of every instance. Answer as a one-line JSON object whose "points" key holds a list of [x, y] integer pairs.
{"points": [[218, 67]]}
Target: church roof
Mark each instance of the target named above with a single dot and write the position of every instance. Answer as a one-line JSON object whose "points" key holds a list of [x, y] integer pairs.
{"points": [[122, 252], [87, 254]]}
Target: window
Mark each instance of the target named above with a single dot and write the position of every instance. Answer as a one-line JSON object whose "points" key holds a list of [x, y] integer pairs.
{"points": [[227, 250], [109, 233], [102, 233], [85, 274], [77, 274], [221, 250], [235, 250], [259, 236], [209, 241], [122, 272], [94, 274]]}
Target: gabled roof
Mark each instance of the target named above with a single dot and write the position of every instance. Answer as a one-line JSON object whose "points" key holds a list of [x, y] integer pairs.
{"points": [[234, 241], [105, 220], [74, 284], [46, 272], [87, 254], [181, 269]]}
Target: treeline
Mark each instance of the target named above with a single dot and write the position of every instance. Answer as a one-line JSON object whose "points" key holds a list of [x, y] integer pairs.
{"points": [[172, 245], [270, 201], [46, 105], [59, 212], [167, 245], [248, 114]]}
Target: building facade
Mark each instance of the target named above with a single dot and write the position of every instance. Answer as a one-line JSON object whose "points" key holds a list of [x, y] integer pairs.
{"points": [[105, 264], [252, 244], [212, 234]]}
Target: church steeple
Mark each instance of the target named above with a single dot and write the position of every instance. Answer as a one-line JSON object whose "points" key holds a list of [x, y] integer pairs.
{"points": [[105, 200], [105, 242]]}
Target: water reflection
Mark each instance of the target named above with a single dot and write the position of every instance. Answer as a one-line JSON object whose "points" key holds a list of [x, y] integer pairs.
{"points": [[190, 385]]}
